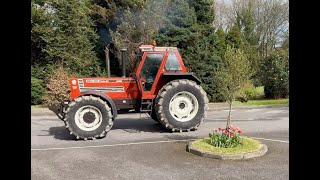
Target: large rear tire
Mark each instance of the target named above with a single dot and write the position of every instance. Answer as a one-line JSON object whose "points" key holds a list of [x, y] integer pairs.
{"points": [[88, 117], [181, 105], [153, 115]]}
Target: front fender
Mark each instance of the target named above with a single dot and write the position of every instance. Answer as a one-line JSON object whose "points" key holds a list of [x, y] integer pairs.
{"points": [[104, 97]]}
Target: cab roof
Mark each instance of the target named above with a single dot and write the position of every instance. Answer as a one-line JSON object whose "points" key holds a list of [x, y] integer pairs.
{"points": [[151, 48]]}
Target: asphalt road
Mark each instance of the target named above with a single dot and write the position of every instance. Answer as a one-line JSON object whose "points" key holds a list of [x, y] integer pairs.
{"points": [[141, 149]]}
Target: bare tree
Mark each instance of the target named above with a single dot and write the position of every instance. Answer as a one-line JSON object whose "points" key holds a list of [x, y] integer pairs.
{"points": [[271, 19], [223, 14]]}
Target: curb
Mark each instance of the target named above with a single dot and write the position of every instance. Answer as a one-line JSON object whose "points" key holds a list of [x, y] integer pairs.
{"points": [[213, 107], [263, 149]]}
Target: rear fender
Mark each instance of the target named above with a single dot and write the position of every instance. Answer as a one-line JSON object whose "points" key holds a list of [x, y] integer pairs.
{"points": [[174, 76]]}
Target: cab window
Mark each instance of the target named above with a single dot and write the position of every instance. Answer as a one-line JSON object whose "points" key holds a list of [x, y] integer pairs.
{"points": [[172, 63]]}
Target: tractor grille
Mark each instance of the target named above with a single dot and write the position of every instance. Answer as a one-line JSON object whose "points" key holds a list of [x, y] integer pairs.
{"points": [[80, 82]]}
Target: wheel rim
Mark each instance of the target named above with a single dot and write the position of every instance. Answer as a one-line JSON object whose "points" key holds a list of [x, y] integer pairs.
{"points": [[183, 106], [88, 118]]}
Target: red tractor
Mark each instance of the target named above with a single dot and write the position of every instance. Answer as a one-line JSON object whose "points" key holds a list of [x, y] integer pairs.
{"points": [[160, 86]]}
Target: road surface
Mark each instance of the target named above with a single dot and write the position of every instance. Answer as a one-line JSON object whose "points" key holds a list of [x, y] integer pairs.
{"points": [[141, 149]]}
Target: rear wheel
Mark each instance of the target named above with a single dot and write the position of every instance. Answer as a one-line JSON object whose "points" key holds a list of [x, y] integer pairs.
{"points": [[181, 105], [88, 117], [154, 115]]}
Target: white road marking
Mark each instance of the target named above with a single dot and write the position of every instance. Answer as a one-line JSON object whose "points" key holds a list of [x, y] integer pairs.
{"points": [[227, 110], [127, 144], [271, 140], [253, 110], [275, 111], [110, 145]]}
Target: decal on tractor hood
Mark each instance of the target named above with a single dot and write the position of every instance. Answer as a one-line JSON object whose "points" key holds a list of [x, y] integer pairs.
{"points": [[106, 81], [103, 89]]}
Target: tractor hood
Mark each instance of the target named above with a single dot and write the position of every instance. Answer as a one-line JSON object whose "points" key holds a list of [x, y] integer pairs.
{"points": [[105, 85]]}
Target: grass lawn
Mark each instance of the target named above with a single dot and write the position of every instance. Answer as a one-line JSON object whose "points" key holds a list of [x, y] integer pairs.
{"points": [[264, 102], [258, 99], [249, 145]]}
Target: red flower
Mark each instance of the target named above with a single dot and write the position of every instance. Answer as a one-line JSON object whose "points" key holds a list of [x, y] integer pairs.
{"points": [[219, 129], [239, 131], [231, 133], [233, 129], [226, 131]]}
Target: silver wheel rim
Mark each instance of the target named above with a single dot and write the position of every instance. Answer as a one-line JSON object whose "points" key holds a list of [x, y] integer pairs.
{"points": [[88, 123], [183, 106]]}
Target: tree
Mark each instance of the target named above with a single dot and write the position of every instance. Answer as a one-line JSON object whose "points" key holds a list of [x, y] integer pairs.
{"points": [[136, 28], [272, 24], [263, 23], [233, 76], [221, 44], [274, 74], [176, 30], [233, 37], [188, 26], [41, 26], [108, 15], [258, 27], [104, 11], [36, 91], [246, 23], [67, 36], [270, 19], [285, 43], [204, 10], [73, 38], [222, 12]]}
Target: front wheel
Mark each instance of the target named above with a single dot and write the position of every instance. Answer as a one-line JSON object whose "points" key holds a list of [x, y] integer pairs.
{"points": [[88, 117], [181, 105]]}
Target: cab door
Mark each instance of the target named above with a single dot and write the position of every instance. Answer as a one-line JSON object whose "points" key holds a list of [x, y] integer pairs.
{"points": [[149, 71]]}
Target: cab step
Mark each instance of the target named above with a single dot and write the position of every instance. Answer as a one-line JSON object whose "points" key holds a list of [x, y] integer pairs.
{"points": [[146, 106]]}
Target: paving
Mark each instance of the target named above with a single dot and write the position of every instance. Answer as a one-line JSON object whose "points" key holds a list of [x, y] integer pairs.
{"points": [[142, 149]]}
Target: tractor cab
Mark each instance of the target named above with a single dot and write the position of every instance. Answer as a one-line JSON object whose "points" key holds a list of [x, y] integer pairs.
{"points": [[155, 62]]}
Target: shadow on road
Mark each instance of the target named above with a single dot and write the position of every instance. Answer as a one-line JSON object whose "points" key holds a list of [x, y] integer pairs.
{"points": [[139, 125], [61, 133], [128, 125]]}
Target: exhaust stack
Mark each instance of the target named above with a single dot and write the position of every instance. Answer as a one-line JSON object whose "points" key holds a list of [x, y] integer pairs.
{"points": [[123, 57]]}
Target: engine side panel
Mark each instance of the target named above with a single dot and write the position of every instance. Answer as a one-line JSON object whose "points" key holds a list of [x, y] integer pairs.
{"points": [[123, 91]]}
